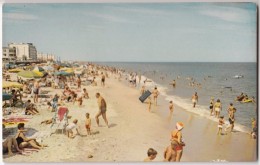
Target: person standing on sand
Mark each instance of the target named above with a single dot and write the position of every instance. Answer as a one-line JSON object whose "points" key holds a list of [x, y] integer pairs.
{"points": [[176, 135], [155, 95], [79, 83], [171, 110], [151, 153], [195, 99], [211, 105], [221, 122], [170, 153], [88, 123], [231, 119], [102, 109], [149, 104], [217, 108], [36, 88], [103, 77], [142, 90]]}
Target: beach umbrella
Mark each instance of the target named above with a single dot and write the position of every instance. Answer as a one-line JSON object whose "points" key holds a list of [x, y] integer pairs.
{"points": [[6, 96], [68, 70], [30, 74], [16, 70], [63, 73], [38, 68], [48, 68], [8, 84]]}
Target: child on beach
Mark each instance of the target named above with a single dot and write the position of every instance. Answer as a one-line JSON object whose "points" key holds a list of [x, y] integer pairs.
{"points": [[88, 123], [71, 127], [151, 155], [220, 125], [171, 110]]}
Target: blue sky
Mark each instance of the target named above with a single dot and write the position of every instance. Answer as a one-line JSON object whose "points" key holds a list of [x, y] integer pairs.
{"points": [[173, 32]]}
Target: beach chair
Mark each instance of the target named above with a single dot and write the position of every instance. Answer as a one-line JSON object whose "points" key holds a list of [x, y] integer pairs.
{"points": [[60, 119]]}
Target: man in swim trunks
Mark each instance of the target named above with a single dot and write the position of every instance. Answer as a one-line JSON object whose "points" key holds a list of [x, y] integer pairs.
{"points": [[195, 99], [102, 109]]}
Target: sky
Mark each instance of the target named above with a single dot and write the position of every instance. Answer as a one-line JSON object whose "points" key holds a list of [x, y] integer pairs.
{"points": [[136, 32]]}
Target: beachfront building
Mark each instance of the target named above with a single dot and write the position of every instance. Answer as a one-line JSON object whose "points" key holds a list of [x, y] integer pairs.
{"points": [[9, 54], [45, 57], [24, 51]]}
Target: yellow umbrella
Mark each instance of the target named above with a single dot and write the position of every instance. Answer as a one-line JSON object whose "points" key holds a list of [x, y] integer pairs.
{"points": [[68, 70], [7, 84], [16, 70], [38, 73]]}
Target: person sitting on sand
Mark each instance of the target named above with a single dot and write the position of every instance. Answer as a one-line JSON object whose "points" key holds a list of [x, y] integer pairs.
{"points": [[195, 99], [88, 123], [155, 95], [170, 153], [217, 108], [151, 153], [176, 135], [30, 108], [23, 141], [221, 122], [9, 144], [70, 128], [85, 94], [80, 100]]}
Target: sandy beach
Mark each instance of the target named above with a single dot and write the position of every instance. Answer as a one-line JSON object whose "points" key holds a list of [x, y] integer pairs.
{"points": [[133, 130]]}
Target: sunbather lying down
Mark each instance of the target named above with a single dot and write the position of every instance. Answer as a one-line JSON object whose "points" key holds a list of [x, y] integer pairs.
{"points": [[49, 121]]}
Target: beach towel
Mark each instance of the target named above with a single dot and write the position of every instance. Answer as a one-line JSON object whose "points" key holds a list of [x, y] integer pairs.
{"points": [[61, 112], [14, 120]]}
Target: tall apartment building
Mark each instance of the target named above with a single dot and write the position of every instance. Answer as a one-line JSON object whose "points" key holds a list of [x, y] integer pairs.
{"points": [[24, 51], [9, 54]]}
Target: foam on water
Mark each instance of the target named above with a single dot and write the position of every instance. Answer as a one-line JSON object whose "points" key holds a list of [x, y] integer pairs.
{"points": [[186, 104]]}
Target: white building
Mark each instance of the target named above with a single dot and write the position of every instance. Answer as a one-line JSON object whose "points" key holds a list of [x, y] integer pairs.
{"points": [[24, 51], [9, 54], [45, 57]]}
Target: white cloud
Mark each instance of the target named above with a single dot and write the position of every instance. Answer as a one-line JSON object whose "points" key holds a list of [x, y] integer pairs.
{"points": [[229, 14], [19, 16], [109, 18]]}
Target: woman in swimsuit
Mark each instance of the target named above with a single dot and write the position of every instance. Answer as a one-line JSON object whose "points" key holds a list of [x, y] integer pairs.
{"points": [[176, 136], [24, 142], [217, 108]]}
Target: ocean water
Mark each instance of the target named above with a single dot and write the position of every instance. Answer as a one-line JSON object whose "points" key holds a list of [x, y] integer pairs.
{"points": [[213, 77]]}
